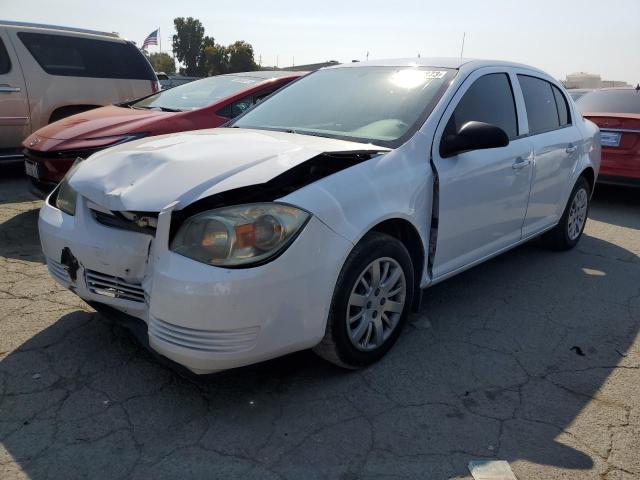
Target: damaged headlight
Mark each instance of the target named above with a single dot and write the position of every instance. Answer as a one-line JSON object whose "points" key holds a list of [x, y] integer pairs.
{"points": [[239, 235], [66, 197]]}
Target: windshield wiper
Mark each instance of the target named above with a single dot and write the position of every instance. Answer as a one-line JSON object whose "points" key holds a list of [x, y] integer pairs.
{"points": [[164, 109], [167, 109]]}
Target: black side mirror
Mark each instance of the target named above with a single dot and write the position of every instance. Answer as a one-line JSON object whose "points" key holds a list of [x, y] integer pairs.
{"points": [[473, 136]]}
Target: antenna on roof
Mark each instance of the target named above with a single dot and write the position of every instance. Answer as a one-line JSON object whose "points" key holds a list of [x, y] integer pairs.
{"points": [[464, 34]]}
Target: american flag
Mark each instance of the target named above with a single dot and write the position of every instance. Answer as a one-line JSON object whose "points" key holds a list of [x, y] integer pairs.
{"points": [[152, 39]]}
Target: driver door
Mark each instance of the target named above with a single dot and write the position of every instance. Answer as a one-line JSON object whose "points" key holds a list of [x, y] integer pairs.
{"points": [[483, 194]]}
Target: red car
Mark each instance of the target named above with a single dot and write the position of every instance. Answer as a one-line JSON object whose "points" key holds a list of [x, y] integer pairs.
{"points": [[206, 103], [617, 112]]}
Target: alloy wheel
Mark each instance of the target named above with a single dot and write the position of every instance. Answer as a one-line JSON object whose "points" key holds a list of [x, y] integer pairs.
{"points": [[577, 214], [376, 303]]}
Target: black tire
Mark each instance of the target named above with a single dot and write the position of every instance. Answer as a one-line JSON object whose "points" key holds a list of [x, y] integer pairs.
{"points": [[558, 238], [336, 346]]}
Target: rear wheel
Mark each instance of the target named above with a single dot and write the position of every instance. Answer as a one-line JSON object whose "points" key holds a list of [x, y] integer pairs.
{"points": [[370, 304], [567, 233]]}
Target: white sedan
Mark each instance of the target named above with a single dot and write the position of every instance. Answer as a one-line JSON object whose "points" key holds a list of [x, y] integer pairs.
{"points": [[316, 218]]}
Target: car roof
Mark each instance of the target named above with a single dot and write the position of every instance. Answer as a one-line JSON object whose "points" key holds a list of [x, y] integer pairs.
{"points": [[438, 62], [10, 23], [267, 74]]}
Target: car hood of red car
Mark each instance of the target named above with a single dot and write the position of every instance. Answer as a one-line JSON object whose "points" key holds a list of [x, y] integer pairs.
{"points": [[102, 122]]}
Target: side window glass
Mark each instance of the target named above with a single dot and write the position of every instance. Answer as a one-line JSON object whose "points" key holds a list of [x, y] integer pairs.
{"points": [[84, 57], [236, 108], [5, 62], [262, 95], [563, 107], [258, 97], [540, 101], [489, 100]]}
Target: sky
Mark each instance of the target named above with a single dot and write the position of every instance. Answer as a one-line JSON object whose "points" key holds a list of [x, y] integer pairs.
{"points": [[558, 36]]}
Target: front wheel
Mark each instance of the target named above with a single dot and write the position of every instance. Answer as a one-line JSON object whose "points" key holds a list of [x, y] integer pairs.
{"points": [[372, 299], [567, 233]]}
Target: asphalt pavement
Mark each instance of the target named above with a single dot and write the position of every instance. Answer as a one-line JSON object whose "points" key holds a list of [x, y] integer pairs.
{"points": [[532, 358]]}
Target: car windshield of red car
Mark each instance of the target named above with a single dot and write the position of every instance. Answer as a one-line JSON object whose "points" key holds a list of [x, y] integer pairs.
{"points": [[197, 94]]}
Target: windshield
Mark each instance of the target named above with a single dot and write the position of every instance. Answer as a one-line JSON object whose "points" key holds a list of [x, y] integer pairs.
{"points": [[197, 94], [383, 105], [610, 101]]}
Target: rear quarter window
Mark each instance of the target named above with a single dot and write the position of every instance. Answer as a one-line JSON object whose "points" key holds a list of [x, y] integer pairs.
{"points": [[563, 108], [86, 57], [540, 101], [5, 62]]}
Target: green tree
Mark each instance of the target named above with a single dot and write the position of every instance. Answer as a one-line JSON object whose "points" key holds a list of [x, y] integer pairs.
{"points": [[216, 60], [207, 43], [201, 56], [163, 62], [240, 57], [188, 44]]}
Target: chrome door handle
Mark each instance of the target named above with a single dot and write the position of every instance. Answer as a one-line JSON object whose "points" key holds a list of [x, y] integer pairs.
{"points": [[520, 163], [9, 89], [571, 148]]}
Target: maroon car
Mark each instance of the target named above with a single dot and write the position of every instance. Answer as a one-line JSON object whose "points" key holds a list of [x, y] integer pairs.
{"points": [[206, 103]]}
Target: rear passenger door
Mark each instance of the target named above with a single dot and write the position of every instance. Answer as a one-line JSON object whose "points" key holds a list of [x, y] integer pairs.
{"points": [[14, 104], [483, 194], [556, 144]]}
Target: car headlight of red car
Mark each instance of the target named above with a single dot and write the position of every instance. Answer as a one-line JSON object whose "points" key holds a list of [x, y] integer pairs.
{"points": [[242, 235]]}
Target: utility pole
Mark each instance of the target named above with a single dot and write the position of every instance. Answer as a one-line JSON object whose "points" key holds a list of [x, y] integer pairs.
{"points": [[464, 34]]}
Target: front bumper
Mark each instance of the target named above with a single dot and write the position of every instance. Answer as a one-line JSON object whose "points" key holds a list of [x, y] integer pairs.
{"points": [[52, 166], [203, 317], [41, 189]]}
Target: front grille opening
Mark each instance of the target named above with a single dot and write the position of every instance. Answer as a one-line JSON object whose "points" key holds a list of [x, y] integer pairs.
{"points": [[141, 222], [113, 287]]}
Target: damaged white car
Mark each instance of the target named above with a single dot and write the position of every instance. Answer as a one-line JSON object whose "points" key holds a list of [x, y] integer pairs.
{"points": [[315, 219]]}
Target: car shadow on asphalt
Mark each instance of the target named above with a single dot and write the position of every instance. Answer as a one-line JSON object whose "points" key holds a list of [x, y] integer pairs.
{"points": [[616, 205], [19, 238], [504, 361], [14, 187]]}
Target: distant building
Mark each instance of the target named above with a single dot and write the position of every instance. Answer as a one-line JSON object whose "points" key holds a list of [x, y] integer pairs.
{"points": [[590, 80], [582, 80], [614, 83]]}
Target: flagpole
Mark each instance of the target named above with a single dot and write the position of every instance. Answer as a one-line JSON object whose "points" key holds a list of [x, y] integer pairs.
{"points": [[159, 40]]}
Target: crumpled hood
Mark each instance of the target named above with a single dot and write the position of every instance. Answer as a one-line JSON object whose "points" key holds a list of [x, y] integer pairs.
{"points": [[148, 174]]}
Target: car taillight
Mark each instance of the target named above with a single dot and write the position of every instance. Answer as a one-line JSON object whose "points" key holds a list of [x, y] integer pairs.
{"points": [[155, 86]]}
